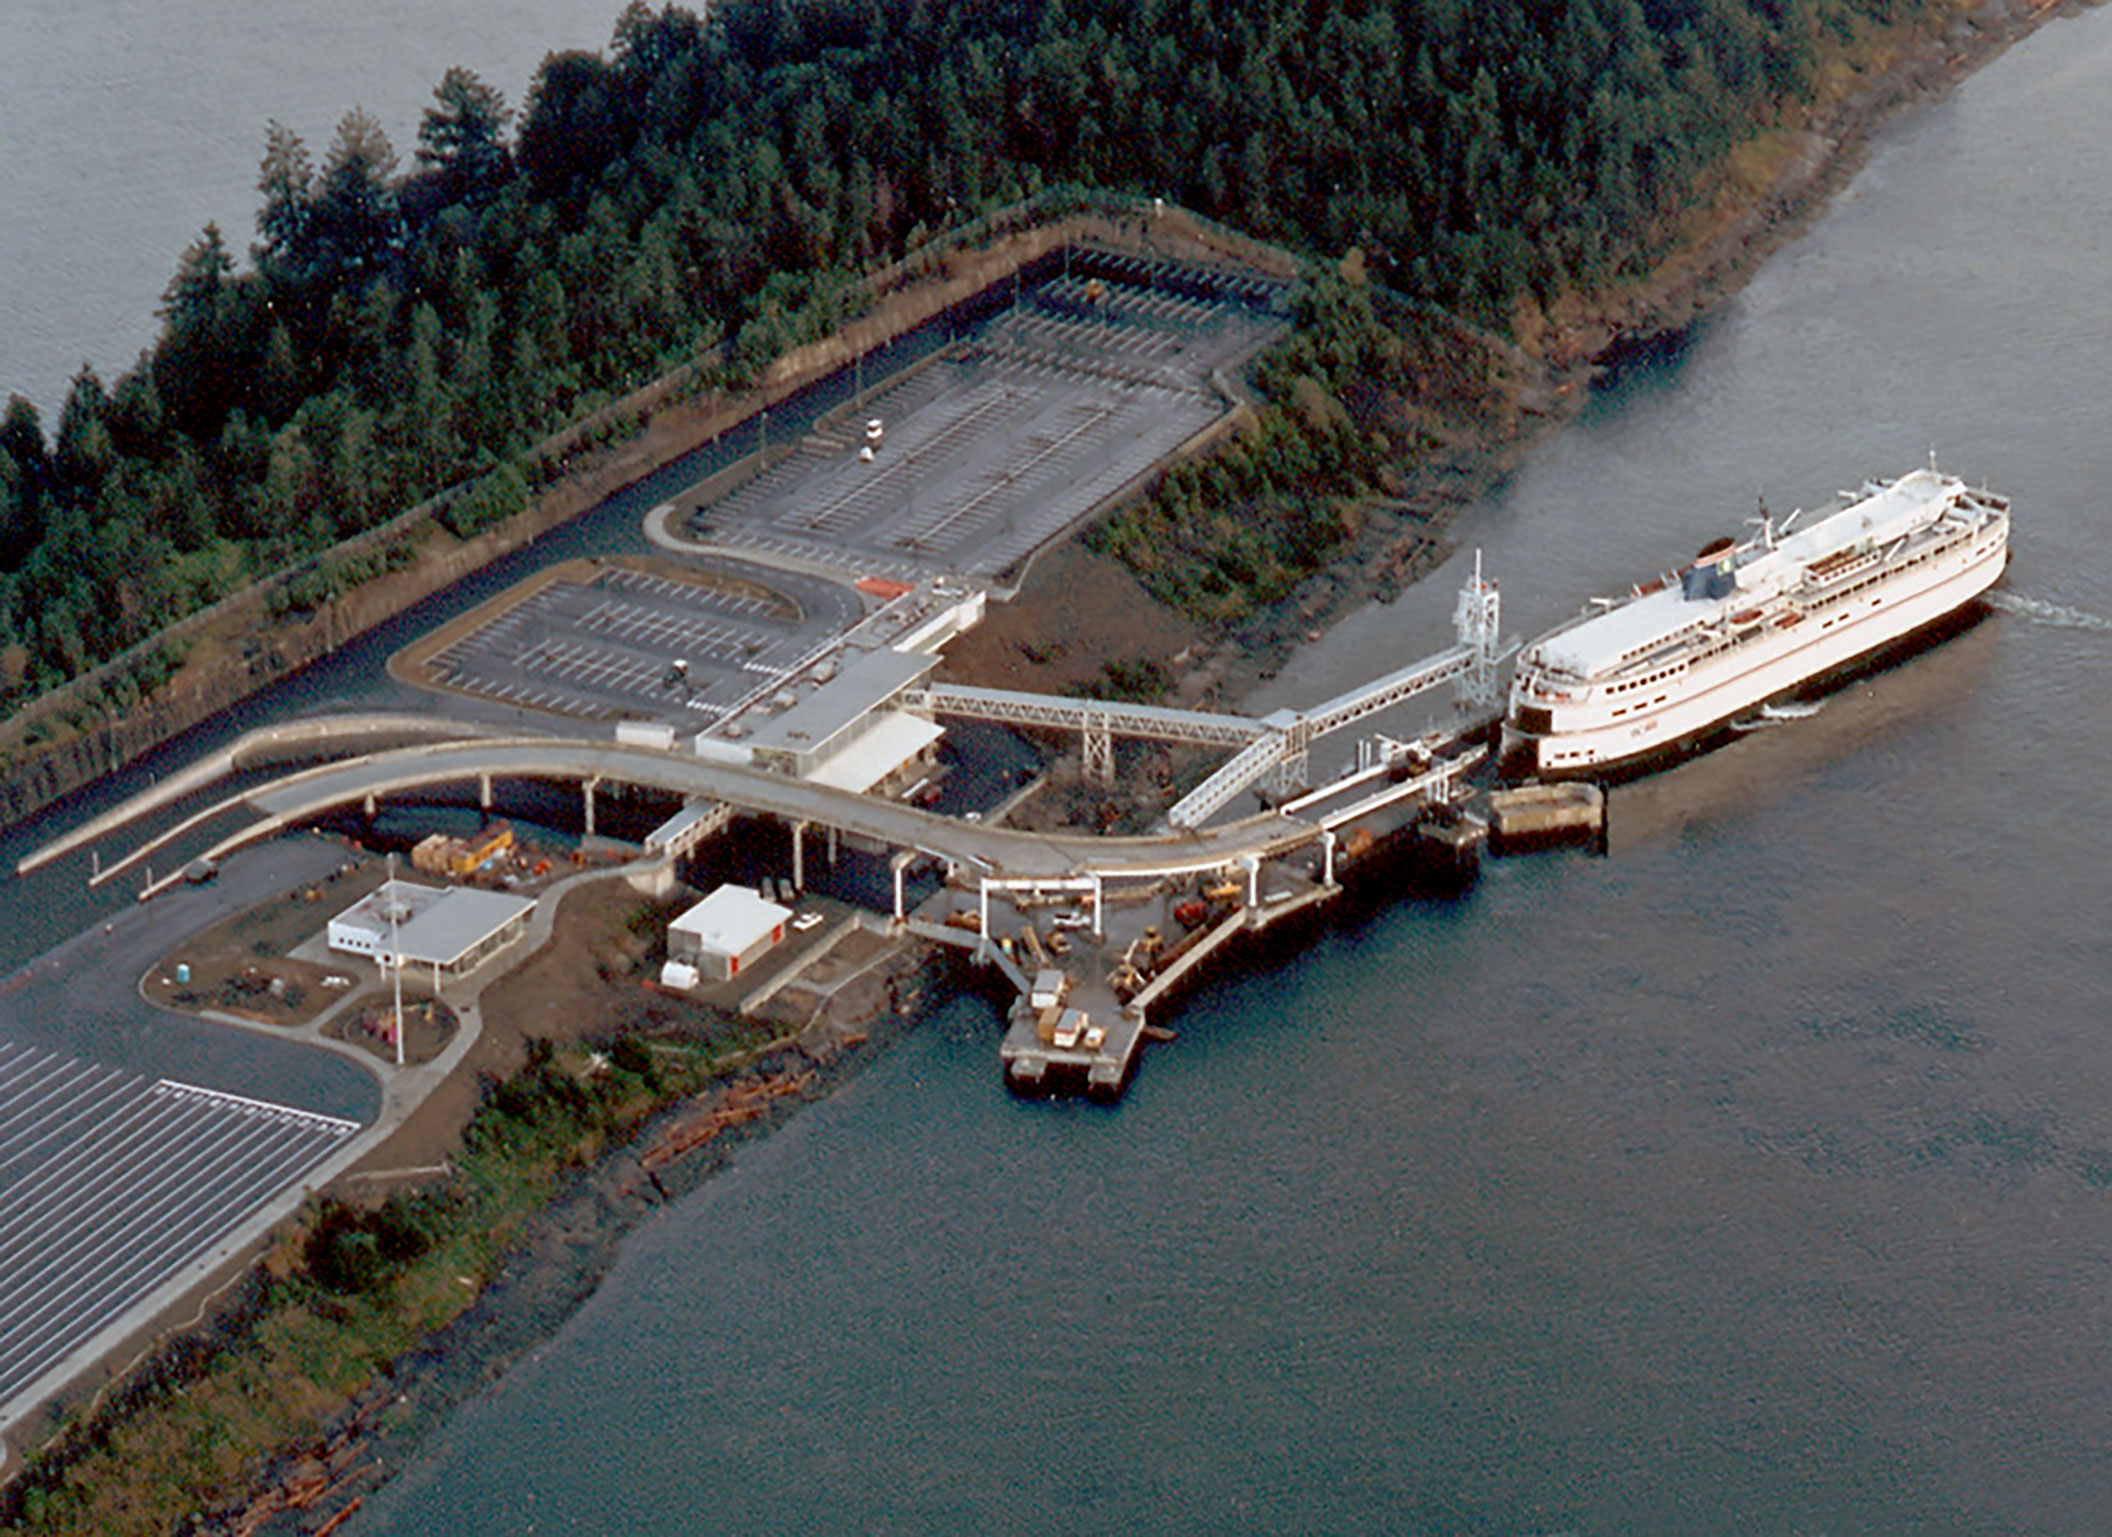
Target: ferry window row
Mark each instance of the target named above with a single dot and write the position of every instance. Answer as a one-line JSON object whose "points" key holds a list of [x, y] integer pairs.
{"points": [[1643, 682]]}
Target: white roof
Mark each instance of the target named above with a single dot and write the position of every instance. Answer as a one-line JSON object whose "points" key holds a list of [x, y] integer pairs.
{"points": [[455, 925], [435, 925], [867, 681], [892, 741], [730, 920]]}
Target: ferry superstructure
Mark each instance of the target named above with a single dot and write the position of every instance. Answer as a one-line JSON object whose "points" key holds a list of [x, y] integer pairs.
{"points": [[1641, 677]]}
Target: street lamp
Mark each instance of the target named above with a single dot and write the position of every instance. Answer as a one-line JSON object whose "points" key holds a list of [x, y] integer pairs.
{"points": [[395, 958]]}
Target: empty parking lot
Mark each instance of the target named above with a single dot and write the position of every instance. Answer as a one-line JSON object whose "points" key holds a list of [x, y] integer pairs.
{"points": [[110, 1185], [611, 642], [1035, 417]]}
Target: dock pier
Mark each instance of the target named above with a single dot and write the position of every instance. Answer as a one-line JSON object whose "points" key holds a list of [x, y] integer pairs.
{"points": [[1539, 815], [1111, 1029], [1089, 958]]}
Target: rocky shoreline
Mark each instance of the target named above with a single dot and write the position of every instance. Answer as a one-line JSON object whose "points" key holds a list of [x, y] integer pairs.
{"points": [[567, 1251]]}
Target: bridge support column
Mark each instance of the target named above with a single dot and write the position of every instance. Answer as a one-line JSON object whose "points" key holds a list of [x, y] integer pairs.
{"points": [[900, 865], [1294, 768], [484, 791], [1252, 865], [1098, 751], [369, 805], [982, 925], [832, 845], [1099, 929], [587, 795], [799, 856], [1327, 856]]}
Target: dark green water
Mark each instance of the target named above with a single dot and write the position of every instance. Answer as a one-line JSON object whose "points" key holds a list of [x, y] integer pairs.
{"points": [[1755, 1178]]}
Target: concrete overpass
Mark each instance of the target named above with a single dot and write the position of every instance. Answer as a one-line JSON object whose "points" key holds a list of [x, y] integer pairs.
{"points": [[996, 851], [315, 737], [1184, 845]]}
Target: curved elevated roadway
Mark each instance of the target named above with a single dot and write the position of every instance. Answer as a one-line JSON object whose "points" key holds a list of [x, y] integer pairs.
{"points": [[999, 852], [313, 737]]}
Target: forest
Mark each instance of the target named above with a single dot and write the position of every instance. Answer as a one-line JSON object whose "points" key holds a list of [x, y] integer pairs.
{"points": [[710, 189]]}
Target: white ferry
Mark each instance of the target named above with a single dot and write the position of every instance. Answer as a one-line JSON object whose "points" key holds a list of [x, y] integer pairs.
{"points": [[1641, 677]]}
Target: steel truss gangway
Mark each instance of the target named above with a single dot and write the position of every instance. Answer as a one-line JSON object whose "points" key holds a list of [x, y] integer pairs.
{"points": [[1277, 745], [699, 818], [1403, 771], [1287, 736], [1098, 721]]}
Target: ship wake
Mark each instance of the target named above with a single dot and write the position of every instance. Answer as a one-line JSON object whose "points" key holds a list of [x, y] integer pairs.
{"points": [[2056, 616]]}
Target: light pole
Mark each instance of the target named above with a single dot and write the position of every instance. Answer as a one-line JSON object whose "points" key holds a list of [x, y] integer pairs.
{"points": [[395, 958]]}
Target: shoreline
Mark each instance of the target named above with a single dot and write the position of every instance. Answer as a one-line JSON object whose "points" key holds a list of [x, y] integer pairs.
{"points": [[1718, 270], [569, 1249], [68, 739], [1690, 283], [1772, 229]]}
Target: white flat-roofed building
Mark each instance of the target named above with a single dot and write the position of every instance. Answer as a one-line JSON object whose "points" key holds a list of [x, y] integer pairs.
{"points": [[730, 929], [846, 717], [449, 930]]}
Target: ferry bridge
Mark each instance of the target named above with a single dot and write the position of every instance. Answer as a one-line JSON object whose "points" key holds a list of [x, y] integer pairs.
{"points": [[1255, 870], [410, 761], [1002, 853], [1274, 747], [1281, 862]]}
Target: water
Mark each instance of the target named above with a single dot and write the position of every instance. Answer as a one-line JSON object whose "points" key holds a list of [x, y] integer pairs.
{"points": [[1756, 1177], [132, 123]]}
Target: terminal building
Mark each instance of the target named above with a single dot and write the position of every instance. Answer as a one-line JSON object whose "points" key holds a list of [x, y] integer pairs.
{"points": [[848, 734], [839, 721], [449, 931]]}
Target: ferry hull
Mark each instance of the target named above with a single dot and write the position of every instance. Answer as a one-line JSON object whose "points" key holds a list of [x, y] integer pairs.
{"points": [[1695, 722]]}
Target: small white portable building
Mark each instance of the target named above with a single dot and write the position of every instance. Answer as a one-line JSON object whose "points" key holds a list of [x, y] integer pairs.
{"points": [[730, 929]]}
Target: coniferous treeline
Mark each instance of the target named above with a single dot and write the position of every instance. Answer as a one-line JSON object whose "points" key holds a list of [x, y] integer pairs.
{"points": [[709, 188]]}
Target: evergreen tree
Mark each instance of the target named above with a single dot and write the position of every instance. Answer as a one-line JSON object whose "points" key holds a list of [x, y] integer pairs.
{"points": [[82, 452], [461, 138], [355, 230], [286, 181], [710, 191]]}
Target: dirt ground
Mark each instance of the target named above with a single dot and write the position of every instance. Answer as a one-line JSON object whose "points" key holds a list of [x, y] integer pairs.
{"points": [[242, 966], [1076, 612], [587, 981], [595, 978]]}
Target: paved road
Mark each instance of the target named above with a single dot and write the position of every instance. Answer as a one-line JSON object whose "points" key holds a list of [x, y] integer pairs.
{"points": [[1038, 415], [198, 1175], [604, 645], [1000, 851], [111, 1185]]}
